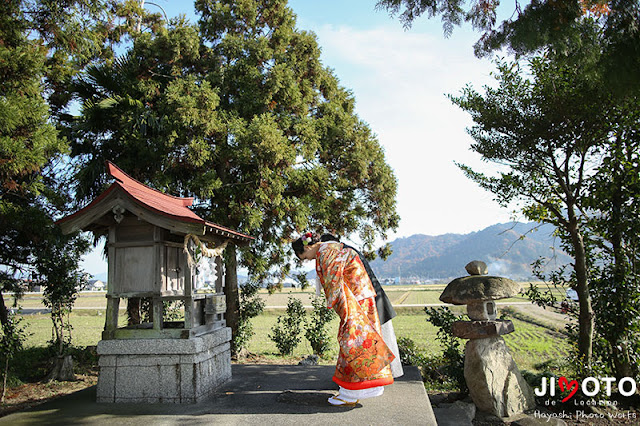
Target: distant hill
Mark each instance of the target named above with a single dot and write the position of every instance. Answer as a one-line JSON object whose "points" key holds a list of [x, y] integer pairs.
{"points": [[508, 249]]}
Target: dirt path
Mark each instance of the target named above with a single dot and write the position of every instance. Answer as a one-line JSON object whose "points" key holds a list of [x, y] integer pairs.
{"points": [[550, 317]]}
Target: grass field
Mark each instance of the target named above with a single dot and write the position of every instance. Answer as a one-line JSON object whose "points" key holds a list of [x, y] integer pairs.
{"points": [[398, 295], [532, 343]]}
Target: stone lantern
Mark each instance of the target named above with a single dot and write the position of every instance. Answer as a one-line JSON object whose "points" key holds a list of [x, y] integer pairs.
{"points": [[495, 384], [157, 250]]}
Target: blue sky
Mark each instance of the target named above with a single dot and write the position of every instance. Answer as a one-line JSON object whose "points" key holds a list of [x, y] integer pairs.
{"points": [[400, 79]]}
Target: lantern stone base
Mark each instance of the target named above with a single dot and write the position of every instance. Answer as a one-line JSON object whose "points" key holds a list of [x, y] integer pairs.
{"points": [[496, 386], [164, 370]]}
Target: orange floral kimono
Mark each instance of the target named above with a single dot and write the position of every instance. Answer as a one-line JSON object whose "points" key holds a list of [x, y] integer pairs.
{"points": [[364, 358]]}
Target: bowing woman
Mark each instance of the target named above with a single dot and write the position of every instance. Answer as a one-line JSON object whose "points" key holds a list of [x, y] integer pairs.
{"points": [[362, 369], [385, 310]]}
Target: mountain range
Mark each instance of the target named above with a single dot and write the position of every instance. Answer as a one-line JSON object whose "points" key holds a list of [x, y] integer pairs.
{"points": [[508, 249]]}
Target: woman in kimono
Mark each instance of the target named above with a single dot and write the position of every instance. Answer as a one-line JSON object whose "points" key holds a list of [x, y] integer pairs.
{"points": [[363, 362], [385, 310]]}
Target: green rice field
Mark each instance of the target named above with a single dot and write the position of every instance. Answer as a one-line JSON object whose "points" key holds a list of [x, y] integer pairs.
{"points": [[398, 295], [533, 341]]}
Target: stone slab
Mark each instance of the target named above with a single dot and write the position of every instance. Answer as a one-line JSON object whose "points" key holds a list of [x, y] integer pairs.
{"points": [[256, 396], [165, 346], [458, 413]]}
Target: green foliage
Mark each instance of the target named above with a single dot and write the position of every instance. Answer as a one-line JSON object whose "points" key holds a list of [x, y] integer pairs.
{"points": [[12, 338], [617, 306], [316, 326], [44, 44], [614, 192], [452, 354], [238, 112], [286, 334], [34, 363], [530, 127], [443, 318], [173, 310], [27, 143], [410, 354], [557, 279], [301, 280], [251, 305], [59, 273], [434, 368], [550, 132]]}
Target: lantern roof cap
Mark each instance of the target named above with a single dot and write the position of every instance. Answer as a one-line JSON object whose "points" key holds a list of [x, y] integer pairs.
{"points": [[479, 288]]}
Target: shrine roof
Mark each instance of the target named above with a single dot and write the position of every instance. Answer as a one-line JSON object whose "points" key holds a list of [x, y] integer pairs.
{"points": [[175, 208], [163, 203]]}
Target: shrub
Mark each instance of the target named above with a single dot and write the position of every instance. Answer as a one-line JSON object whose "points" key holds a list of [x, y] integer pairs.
{"points": [[409, 352], [453, 355], [286, 332], [317, 333], [432, 367], [12, 338], [251, 305]]}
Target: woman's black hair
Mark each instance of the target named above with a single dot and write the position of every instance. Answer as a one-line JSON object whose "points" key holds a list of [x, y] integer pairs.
{"points": [[329, 237], [298, 245]]}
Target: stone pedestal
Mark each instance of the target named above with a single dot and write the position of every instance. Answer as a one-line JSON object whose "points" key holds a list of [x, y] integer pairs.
{"points": [[495, 383], [481, 329], [164, 370]]}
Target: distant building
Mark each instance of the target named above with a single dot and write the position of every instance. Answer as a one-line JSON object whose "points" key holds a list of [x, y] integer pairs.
{"points": [[96, 285]]}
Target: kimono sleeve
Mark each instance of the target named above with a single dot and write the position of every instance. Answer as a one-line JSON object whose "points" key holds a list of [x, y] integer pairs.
{"points": [[330, 269]]}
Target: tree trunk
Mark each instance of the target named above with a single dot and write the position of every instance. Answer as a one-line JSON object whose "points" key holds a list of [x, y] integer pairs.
{"points": [[4, 379], [620, 350], [60, 326], [586, 315], [4, 312], [62, 370], [133, 311], [231, 289], [621, 360]]}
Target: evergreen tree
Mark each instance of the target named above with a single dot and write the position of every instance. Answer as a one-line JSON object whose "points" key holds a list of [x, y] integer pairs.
{"points": [[240, 113], [43, 44], [28, 140], [614, 198]]}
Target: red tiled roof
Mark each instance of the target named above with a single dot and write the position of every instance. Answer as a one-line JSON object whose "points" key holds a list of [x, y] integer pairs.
{"points": [[167, 205], [156, 200]]}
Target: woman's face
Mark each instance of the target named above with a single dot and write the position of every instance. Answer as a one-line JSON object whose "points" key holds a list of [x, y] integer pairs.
{"points": [[308, 253]]}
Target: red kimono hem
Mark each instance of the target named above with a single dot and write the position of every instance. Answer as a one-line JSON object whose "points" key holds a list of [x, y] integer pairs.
{"points": [[365, 384]]}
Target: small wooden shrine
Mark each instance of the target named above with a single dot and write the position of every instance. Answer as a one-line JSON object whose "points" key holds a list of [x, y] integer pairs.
{"points": [[157, 250]]}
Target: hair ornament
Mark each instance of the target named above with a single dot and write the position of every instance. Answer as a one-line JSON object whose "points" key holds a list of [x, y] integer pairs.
{"points": [[307, 238]]}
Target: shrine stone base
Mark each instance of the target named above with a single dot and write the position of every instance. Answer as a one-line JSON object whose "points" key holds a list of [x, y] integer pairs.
{"points": [[164, 370]]}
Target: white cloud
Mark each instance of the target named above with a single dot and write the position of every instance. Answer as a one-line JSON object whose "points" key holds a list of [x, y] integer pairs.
{"points": [[400, 81]]}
